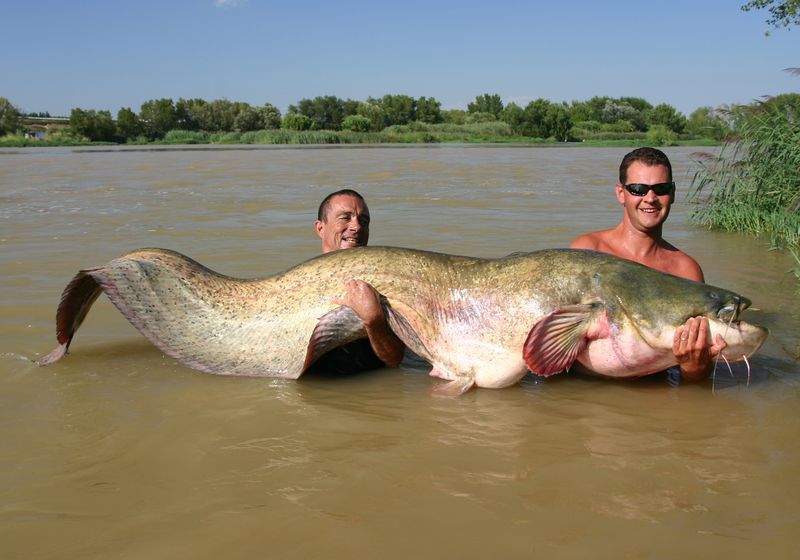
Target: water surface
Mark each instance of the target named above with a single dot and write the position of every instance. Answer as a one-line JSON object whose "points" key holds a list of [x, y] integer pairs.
{"points": [[118, 451]]}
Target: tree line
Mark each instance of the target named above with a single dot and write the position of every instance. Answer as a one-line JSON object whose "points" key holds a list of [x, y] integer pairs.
{"points": [[598, 117]]}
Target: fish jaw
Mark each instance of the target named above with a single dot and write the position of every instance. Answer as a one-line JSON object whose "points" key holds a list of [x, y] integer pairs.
{"points": [[742, 338], [629, 353]]}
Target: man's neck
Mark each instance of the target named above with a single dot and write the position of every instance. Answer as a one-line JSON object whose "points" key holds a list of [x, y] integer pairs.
{"points": [[639, 244]]}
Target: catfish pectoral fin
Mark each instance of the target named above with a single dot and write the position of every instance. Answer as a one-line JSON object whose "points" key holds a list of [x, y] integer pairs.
{"points": [[405, 331], [336, 328], [76, 300], [557, 338]]}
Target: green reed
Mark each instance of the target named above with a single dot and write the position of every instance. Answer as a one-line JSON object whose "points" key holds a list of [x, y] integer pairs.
{"points": [[753, 185]]}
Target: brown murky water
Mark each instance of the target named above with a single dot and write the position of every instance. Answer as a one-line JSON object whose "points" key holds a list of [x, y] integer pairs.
{"points": [[118, 451]]}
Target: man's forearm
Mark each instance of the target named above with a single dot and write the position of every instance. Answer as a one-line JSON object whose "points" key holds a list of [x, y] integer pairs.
{"points": [[696, 372], [385, 343]]}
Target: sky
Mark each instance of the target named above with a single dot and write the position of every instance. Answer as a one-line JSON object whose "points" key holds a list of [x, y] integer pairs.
{"points": [[105, 55]]}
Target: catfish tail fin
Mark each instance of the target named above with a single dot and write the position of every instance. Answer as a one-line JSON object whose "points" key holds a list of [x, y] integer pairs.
{"points": [[76, 300]]}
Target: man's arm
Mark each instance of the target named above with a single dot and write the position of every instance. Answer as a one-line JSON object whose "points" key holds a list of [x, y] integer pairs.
{"points": [[365, 301], [694, 350]]}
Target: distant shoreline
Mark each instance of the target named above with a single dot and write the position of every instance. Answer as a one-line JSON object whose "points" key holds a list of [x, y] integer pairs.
{"points": [[517, 141]]}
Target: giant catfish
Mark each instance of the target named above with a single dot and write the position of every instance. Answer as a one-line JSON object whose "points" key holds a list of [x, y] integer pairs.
{"points": [[483, 322]]}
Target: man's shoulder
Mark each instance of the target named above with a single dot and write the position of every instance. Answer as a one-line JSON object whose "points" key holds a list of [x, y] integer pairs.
{"points": [[595, 240], [681, 264]]}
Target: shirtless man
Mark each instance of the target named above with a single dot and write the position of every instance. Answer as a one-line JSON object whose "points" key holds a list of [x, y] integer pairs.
{"points": [[343, 223], [646, 191]]}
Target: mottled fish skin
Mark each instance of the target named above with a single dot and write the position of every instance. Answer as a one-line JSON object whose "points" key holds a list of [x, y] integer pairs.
{"points": [[482, 322]]}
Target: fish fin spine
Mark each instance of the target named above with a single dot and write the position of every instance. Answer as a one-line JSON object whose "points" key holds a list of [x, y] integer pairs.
{"points": [[556, 340]]}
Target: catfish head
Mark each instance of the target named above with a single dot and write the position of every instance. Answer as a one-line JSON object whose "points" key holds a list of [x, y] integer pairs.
{"points": [[626, 323]]}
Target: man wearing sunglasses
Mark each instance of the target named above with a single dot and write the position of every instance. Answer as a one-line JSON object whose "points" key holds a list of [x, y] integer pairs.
{"points": [[646, 191]]}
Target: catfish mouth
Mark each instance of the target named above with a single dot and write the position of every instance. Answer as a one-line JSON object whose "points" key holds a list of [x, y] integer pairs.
{"points": [[728, 312]]}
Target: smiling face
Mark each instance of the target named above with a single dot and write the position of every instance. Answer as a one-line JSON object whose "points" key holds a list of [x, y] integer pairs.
{"points": [[344, 225], [646, 213]]}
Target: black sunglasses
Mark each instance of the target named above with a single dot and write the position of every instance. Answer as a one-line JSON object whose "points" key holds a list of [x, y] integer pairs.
{"points": [[640, 189]]}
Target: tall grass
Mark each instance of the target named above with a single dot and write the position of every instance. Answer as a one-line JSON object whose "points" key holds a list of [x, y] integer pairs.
{"points": [[284, 136], [186, 137], [753, 185]]}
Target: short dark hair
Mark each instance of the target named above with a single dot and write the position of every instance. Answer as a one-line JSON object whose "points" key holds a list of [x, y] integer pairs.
{"points": [[326, 202], [648, 156]]}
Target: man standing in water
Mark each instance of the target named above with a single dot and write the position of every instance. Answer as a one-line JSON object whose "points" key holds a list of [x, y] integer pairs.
{"points": [[646, 191], [343, 223]]}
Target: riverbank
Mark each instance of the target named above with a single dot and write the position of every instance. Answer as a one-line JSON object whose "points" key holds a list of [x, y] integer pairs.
{"points": [[430, 134], [506, 141]]}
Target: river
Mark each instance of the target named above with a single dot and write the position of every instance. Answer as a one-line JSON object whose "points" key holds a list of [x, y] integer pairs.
{"points": [[119, 451]]}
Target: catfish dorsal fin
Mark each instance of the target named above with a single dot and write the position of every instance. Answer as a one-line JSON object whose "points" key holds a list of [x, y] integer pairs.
{"points": [[557, 338]]}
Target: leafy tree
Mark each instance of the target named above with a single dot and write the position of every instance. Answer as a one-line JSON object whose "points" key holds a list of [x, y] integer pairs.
{"points": [[356, 123], [615, 110], [97, 126], [785, 102], [247, 119], [641, 105], [535, 119], [429, 110], [454, 116], [740, 117], [9, 117], [399, 109], [375, 113], [667, 115], [270, 116], [218, 115], [128, 124], [186, 112], [350, 107], [486, 103], [480, 117], [782, 14], [326, 112], [514, 116], [705, 122], [590, 110], [296, 121], [158, 117], [582, 112], [558, 121]]}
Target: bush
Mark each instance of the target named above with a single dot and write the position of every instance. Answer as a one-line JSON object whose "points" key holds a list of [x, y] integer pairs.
{"points": [[294, 121], [357, 123], [454, 116], [186, 137], [660, 135], [473, 118]]}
